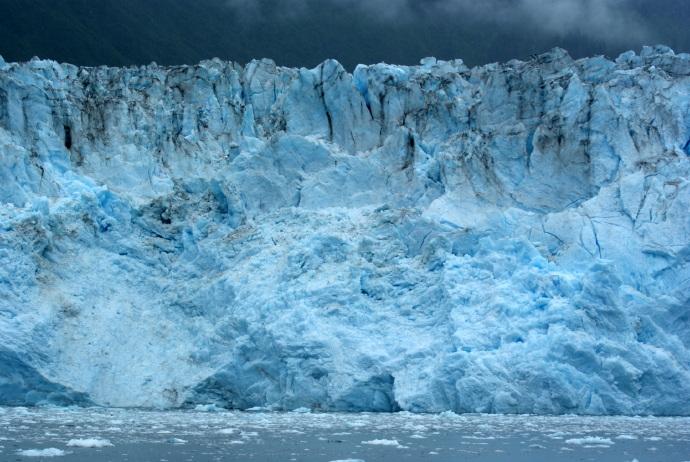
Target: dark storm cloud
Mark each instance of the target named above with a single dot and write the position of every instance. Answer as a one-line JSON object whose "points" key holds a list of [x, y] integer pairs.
{"points": [[612, 20], [306, 32], [615, 21]]}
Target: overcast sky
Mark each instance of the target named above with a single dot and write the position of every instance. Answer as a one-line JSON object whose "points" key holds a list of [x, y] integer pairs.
{"points": [[613, 20], [305, 32]]}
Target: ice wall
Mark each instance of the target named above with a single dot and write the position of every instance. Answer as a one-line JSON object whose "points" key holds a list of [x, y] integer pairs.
{"points": [[509, 238]]}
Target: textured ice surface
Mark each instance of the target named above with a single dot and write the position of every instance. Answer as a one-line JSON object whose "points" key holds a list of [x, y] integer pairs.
{"points": [[512, 238]]}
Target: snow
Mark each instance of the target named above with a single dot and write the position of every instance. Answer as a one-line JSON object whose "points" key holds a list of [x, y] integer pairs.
{"points": [[511, 238], [89, 443], [48, 452]]}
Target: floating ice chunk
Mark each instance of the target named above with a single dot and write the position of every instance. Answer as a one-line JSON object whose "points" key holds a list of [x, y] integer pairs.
{"points": [[48, 452], [302, 410], [226, 431], [590, 441], [176, 441], [384, 442], [208, 408], [89, 443], [348, 460], [626, 437], [258, 409]]}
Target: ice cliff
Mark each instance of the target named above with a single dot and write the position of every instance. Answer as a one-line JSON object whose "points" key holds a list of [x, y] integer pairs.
{"points": [[512, 238]]}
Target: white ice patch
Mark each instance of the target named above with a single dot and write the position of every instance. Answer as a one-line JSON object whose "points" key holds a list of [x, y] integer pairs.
{"points": [[590, 441], [89, 443], [384, 442], [177, 441], [48, 452], [208, 408], [302, 410]]}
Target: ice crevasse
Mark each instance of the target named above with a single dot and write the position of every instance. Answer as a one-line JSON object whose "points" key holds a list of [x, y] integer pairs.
{"points": [[511, 238]]}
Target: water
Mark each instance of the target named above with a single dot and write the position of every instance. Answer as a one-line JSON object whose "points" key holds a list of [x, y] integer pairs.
{"points": [[235, 436]]}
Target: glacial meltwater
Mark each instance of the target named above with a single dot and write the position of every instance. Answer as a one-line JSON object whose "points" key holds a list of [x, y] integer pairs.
{"points": [[99, 435]]}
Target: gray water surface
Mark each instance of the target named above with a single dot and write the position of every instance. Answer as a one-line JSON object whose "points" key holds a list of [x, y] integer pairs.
{"points": [[194, 436]]}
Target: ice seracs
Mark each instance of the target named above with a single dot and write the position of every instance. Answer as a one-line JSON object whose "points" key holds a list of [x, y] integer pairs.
{"points": [[511, 238]]}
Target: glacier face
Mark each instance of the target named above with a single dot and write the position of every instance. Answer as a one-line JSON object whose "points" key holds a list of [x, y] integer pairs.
{"points": [[512, 238]]}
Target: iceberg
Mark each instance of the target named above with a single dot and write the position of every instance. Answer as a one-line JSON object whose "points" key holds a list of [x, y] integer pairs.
{"points": [[510, 238]]}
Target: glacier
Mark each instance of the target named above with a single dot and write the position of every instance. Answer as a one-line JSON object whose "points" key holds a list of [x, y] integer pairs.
{"points": [[509, 238]]}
